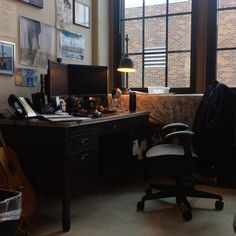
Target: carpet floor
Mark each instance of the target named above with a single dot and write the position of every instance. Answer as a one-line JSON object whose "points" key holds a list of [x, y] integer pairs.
{"points": [[109, 209]]}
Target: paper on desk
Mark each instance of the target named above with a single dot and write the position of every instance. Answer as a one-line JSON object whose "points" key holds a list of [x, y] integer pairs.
{"points": [[135, 147], [137, 150], [143, 145]]}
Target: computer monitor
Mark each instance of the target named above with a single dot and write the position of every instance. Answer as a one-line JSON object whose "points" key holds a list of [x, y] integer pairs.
{"points": [[56, 80], [87, 80]]}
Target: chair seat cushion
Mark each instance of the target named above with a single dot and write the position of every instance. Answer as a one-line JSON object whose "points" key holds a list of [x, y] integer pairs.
{"points": [[169, 150]]}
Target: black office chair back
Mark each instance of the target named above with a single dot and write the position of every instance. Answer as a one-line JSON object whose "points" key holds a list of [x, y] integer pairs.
{"points": [[214, 126], [200, 115]]}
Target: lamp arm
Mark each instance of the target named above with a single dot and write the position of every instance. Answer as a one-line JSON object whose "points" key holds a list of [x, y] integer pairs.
{"points": [[126, 49]]}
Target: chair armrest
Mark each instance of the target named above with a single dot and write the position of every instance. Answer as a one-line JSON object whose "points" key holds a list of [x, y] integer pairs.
{"points": [[182, 135], [185, 139], [172, 127]]}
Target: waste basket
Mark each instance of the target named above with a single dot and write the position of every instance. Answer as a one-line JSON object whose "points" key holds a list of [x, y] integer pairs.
{"points": [[10, 210]]}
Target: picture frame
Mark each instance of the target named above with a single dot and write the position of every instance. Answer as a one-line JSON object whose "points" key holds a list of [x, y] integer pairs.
{"points": [[81, 14], [7, 57], [36, 3]]}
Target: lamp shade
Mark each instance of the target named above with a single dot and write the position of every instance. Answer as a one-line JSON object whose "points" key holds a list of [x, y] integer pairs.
{"points": [[126, 65]]}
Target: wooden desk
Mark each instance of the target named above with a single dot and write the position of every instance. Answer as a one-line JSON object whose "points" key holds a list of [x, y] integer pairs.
{"points": [[54, 154]]}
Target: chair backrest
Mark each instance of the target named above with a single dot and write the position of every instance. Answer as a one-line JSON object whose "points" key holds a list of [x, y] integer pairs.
{"points": [[201, 112], [214, 126]]}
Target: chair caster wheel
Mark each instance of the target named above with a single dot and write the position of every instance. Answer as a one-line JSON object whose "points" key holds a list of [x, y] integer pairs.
{"points": [[187, 215], [178, 200], [148, 191], [140, 206], [219, 205]]}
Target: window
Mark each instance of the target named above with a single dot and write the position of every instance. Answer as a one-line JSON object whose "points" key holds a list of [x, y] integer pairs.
{"points": [[226, 42], [160, 34]]}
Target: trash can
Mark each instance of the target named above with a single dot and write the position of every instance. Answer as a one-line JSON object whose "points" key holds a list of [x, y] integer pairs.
{"points": [[10, 210]]}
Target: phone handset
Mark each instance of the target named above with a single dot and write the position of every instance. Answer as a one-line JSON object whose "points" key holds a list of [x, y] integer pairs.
{"points": [[21, 107]]}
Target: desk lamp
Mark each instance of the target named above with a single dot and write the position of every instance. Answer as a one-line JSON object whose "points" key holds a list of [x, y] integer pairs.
{"points": [[126, 65]]}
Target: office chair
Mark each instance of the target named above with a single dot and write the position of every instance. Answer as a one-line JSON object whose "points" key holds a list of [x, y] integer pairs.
{"points": [[190, 154]]}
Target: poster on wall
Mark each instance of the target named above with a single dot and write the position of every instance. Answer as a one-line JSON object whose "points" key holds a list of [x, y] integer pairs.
{"points": [[37, 42], [26, 77], [7, 57], [71, 46], [64, 14], [37, 3]]}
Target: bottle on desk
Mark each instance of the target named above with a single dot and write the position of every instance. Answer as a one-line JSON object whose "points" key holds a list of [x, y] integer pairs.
{"points": [[132, 101]]}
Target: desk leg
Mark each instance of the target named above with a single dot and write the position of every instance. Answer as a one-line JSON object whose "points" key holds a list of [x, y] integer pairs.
{"points": [[65, 212], [66, 197]]}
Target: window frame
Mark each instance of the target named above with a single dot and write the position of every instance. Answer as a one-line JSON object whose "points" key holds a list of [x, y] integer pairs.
{"points": [[121, 35]]}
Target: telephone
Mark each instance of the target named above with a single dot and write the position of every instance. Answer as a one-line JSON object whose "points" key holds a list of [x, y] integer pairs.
{"points": [[22, 107]]}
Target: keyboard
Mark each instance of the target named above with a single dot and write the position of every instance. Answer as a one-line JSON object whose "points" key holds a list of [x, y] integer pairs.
{"points": [[63, 118], [52, 116]]}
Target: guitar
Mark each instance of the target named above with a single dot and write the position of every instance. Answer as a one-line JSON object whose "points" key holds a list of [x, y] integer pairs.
{"points": [[16, 179]]}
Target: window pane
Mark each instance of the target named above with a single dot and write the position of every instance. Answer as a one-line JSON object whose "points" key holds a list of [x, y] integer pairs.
{"points": [[134, 30], [155, 7], [179, 32], [226, 67], [133, 8], [226, 3], [177, 6], [226, 28], [179, 70], [154, 76], [135, 78], [155, 32]]}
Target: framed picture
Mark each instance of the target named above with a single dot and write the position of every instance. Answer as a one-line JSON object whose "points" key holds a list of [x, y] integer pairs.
{"points": [[7, 57], [81, 14], [37, 3]]}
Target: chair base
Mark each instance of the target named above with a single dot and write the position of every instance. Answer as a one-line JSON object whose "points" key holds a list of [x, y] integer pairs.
{"points": [[180, 191]]}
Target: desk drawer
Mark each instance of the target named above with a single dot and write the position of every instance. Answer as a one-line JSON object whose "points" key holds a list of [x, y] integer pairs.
{"points": [[112, 127], [84, 166], [82, 141]]}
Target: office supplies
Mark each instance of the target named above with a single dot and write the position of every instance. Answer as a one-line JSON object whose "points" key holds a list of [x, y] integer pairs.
{"points": [[132, 101]]}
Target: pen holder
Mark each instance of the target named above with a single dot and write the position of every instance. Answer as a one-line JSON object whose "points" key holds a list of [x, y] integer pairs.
{"points": [[132, 101]]}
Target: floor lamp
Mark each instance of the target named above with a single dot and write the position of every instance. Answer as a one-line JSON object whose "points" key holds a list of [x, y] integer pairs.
{"points": [[126, 65]]}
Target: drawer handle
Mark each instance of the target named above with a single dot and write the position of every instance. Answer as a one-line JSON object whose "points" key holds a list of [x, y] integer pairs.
{"points": [[84, 157], [84, 141]]}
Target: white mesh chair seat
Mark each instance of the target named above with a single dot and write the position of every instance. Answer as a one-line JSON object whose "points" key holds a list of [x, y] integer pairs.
{"points": [[163, 150]]}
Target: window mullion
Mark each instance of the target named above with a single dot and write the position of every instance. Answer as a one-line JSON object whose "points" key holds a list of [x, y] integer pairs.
{"points": [[143, 41], [167, 48]]}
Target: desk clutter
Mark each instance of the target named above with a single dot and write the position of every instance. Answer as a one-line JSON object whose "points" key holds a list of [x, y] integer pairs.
{"points": [[58, 157]]}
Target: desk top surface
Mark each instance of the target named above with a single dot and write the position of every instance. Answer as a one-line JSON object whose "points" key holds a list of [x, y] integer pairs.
{"points": [[104, 118]]}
